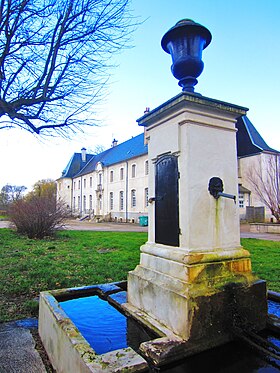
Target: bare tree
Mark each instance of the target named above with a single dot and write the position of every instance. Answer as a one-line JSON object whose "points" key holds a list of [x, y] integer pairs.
{"points": [[266, 181], [97, 149], [54, 60], [38, 215], [11, 193]]}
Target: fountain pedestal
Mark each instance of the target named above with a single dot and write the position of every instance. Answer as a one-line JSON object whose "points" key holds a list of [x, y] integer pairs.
{"points": [[198, 284]]}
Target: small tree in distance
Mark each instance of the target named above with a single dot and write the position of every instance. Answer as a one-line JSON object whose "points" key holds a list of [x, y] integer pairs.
{"points": [[44, 187], [39, 214], [54, 60], [11, 193], [266, 183]]}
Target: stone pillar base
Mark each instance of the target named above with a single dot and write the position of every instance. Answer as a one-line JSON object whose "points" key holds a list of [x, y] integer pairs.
{"points": [[199, 301], [209, 323]]}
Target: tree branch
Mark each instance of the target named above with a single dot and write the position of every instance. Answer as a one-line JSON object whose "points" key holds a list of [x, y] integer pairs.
{"points": [[265, 182], [57, 52]]}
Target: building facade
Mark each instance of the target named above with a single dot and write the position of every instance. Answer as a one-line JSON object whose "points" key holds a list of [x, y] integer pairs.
{"points": [[113, 185], [256, 163]]}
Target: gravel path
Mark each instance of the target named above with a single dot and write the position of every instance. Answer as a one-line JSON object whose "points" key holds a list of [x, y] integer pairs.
{"points": [[128, 227]]}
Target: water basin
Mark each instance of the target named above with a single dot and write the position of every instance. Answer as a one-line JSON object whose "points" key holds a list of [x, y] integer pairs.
{"points": [[94, 336], [107, 329], [103, 326], [233, 357]]}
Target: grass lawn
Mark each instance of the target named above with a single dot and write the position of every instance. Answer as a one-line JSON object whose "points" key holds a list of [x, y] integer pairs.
{"points": [[76, 258]]}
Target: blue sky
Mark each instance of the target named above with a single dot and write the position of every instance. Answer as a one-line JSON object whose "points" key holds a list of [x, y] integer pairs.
{"points": [[242, 66]]}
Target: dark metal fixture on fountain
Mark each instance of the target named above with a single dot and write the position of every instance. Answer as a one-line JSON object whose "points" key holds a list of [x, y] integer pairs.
{"points": [[216, 189], [185, 43]]}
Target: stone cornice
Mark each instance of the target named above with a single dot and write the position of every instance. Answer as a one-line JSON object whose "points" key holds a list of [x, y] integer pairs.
{"points": [[187, 100]]}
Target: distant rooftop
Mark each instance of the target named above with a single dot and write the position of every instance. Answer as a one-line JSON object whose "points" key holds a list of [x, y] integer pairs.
{"points": [[75, 165], [129, 149], [249, 141]]}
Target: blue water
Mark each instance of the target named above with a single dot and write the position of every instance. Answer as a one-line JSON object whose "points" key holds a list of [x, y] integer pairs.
{"points": [[106, 329], [100, 324], [273, 308]]}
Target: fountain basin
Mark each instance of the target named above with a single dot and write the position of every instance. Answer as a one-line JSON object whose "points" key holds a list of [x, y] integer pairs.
{"points": [[69, 351], [67, 348]]}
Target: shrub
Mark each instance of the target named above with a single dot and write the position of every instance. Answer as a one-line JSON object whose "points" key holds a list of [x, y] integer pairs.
{"points": [[38, 216]]}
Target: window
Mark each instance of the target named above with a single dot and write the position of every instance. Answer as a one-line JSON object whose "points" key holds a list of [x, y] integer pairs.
{"points": [[74, 185], [100, 178], [85, 203], [79, 184], [121, 200], [146, 194], [133, 170], [111, 176], [146, 167], [90, 181], [111, 200], [90, 202], [100, 203], [74, 203], [85, 183], [121, 173], [79, 203], [241, 200], [133, 198]]}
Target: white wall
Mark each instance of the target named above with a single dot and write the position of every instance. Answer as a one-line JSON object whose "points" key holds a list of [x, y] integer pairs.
{"points": [[256, 162], [89, 184], [64, 191]]}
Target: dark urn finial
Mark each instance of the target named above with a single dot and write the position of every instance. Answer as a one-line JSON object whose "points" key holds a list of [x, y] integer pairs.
{"points": [[185, 42]]}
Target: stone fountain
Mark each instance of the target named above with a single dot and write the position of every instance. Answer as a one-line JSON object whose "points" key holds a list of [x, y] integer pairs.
{"points": [[194, 278], [194, 283]]}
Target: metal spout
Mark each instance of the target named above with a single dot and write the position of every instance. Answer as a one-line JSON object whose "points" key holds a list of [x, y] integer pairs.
{"points": [[225, 195]]}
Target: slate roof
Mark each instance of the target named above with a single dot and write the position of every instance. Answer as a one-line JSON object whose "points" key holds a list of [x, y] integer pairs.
{"points": [[129, 149], [249, 141], [75, 165]]}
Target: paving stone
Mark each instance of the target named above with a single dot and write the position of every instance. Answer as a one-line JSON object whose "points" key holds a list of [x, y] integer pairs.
{"points": [[17, 351]]}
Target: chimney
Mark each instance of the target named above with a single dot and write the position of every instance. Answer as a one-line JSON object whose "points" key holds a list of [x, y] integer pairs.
{"points": [[114, 143], [84, 154]]}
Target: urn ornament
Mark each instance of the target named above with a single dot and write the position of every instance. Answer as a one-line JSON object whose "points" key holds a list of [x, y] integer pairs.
{"points": [[185, 43]]}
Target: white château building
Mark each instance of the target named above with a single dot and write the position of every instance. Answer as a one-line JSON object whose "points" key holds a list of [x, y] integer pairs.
{"points": [[113, 185]]}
